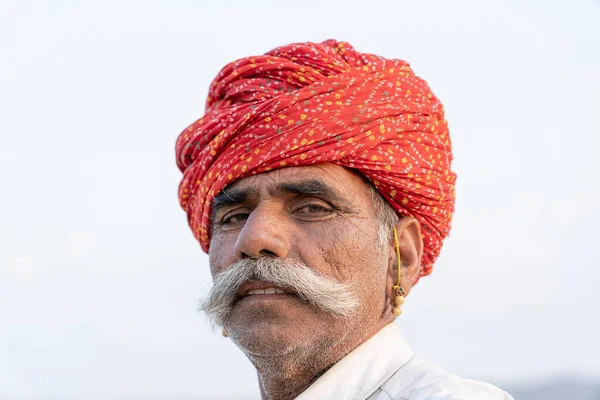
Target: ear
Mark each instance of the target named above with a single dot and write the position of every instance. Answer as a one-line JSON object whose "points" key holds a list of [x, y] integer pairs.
{"points": [[411, 250]]}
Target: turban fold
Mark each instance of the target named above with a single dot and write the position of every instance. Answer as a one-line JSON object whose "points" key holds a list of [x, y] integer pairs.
{"points": [[311, 103]]}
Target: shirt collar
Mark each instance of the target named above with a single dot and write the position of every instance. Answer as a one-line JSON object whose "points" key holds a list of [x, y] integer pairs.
{"points": [[362, 371]]}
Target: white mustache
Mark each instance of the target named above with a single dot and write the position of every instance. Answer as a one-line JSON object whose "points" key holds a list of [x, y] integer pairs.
{"points": [[321, 291]]}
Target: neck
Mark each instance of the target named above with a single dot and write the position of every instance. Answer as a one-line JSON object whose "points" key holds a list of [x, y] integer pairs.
{"points": [[286, 378]]}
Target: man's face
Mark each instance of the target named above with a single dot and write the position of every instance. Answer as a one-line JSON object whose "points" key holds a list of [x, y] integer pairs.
{"points": [[319, 216]]}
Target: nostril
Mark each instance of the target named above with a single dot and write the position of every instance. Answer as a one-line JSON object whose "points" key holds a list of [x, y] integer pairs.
{"points": [[264, 253]]}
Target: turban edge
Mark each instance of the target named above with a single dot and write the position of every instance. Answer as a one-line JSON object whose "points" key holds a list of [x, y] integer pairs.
{"points": [[310, 103]]}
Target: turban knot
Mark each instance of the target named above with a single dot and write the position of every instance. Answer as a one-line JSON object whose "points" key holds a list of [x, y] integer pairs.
{"points": [[311, 103]]}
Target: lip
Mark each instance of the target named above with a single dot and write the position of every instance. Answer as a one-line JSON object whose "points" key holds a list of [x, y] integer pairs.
{"points": [[261, 298], [253, 285]]}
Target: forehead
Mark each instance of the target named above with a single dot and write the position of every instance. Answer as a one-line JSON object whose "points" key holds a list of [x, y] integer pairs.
{"points": [[343, 180]]}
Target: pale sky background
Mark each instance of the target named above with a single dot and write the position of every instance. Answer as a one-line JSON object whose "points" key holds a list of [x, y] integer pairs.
{"points": [[100, 275]]}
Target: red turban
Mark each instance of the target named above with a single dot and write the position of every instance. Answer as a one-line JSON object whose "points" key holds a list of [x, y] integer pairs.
{"points": [[311, 103]]}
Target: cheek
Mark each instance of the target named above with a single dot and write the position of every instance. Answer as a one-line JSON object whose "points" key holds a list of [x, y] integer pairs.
{"points": [[348, 251], [221, 252]]}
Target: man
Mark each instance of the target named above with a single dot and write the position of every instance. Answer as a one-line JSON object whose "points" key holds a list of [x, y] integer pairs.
{"points": [[316, 172]]}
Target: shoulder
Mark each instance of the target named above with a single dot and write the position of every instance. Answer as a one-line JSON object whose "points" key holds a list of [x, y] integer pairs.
{"points": [[419, 379]]}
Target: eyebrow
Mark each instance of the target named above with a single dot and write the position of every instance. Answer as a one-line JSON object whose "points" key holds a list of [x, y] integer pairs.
{"points": [[313, 187], [310, 187], [229, 197]]}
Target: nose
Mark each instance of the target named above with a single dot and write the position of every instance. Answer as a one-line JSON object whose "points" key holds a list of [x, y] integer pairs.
{"points": [[263, 234]]}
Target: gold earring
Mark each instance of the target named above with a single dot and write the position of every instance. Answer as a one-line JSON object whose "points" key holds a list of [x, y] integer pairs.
{"points": [[399, 291], [224, 333]]}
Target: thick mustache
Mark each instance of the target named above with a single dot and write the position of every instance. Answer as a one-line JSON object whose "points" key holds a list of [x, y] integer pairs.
{"points": [[321, 291]]}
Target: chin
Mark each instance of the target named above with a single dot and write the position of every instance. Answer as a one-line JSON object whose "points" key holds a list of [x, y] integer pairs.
{"points": [[267, 338], [273, 331]]}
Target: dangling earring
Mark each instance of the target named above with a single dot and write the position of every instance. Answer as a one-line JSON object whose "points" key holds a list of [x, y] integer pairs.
{"points": [[224, 333], [399, 292]]}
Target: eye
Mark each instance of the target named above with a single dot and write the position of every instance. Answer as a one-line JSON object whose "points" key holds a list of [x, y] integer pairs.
{"points": [[234, 218], [312, 209]]}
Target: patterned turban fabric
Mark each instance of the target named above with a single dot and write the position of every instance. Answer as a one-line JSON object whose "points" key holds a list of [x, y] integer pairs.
{"points": [[311, 103]]}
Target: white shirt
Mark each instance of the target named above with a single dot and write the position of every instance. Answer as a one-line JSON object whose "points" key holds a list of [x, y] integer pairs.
{"points": [[385, 368]]}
